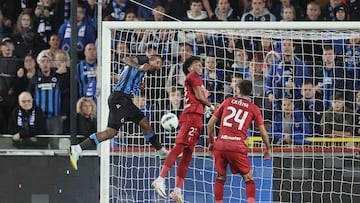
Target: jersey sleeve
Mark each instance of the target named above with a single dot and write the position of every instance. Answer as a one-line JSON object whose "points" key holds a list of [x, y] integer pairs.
{"points": [[220, 109]]}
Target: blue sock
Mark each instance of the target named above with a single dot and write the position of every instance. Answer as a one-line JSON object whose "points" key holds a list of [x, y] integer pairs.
{"points": [[93, 137], [149, 136]]}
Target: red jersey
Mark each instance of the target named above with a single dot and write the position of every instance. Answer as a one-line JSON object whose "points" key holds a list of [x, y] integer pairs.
{"points": [[192, 105], [236, 116]]}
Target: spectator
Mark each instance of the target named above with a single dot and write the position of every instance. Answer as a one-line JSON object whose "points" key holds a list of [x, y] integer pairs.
{"points": [[9, 65], [313, 12], [330, 77], [10, 11], [26, 73], [214, 79], [288, 13], [265, 45], [329, 10], [61, 60], [354, 10], [177, 9], [341, 13], [85, 33], [143, 12], [26, 121], [196, 12], [54, 43], [91, 13], [176, 76], [27, 41], [357, 114], [117, 8], [289, 126], [62, 12], [241, 63], [352, 63], [44, 19], [338, 121], [237, 6], [224, 12], [47, 89], [311, 107], [158, 12], [141, 102], [230, 90], [173, 103], [258, 12], [130, 15], [286, 76], [257, 77], [86, 117], [270, 58], [279, 10], [87, 73]]}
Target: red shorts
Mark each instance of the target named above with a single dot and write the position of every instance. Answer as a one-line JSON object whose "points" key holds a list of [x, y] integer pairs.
{"points": [[190, 128], [239, 162]]}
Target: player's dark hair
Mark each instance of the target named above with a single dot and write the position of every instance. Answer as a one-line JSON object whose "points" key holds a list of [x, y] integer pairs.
{"points": [[245, 87], [188, 62]]}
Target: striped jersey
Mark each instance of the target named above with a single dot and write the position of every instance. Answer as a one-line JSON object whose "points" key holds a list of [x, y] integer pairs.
{"points": [[86, 78], [131, 78], [47, 93]]}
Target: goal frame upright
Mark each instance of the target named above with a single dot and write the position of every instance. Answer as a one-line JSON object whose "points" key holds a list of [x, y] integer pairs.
{"points": [[105, 67]]}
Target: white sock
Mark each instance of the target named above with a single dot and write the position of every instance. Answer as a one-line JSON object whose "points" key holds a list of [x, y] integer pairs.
{"points": [[78, 148], [160, 179], [177, 190]]}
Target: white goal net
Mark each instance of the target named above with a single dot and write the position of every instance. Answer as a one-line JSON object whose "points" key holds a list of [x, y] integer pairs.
{"points": [[305, 80]]}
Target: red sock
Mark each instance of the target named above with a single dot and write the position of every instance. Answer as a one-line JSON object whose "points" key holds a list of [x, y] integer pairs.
{"points": [[250, 191], [183, 167], [164, 171], [219, 190], [179, 181], [170, 160]]}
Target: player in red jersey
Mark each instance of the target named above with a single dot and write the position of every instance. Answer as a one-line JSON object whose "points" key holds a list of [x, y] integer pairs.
{"points": [[191, 123], [236, 115]]}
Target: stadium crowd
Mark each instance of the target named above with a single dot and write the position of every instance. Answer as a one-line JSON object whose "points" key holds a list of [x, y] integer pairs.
{"points": [[304, 87]]}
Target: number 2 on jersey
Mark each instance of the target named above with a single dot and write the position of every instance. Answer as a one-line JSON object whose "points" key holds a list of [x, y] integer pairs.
{"points": [[237, 115]]}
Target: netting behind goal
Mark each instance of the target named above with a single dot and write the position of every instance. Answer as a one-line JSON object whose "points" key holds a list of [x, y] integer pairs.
{"points": [[300, 74]]}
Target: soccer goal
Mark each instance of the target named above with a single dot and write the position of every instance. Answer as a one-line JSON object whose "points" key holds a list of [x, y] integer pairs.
{"points": [[312, 168]]}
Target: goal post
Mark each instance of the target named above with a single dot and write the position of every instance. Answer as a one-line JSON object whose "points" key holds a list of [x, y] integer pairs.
{"points": [[322, 172]]}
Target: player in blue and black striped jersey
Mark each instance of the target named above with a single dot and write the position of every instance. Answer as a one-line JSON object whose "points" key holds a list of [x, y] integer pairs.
{"points": [[123, 109]]}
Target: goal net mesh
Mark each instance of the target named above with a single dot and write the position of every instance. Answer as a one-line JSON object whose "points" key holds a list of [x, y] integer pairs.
{"points": [[299, 78]]}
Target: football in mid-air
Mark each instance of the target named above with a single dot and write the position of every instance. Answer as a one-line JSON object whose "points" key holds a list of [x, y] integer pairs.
{"points": [[170, 121]]}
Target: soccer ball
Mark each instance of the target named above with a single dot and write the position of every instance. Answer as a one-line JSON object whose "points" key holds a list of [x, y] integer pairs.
{"points": [[169, 121]]}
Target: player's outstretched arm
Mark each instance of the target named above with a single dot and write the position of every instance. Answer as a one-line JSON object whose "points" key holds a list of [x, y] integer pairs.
{"points": [[265, 138], [130, 61]]}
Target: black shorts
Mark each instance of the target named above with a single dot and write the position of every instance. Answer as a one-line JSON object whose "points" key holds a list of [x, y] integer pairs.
{"points": [[122, 109]]}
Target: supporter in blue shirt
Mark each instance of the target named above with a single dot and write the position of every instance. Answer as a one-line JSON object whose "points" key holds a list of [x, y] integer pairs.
{"points": [[85, 33], [289, 126]]}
